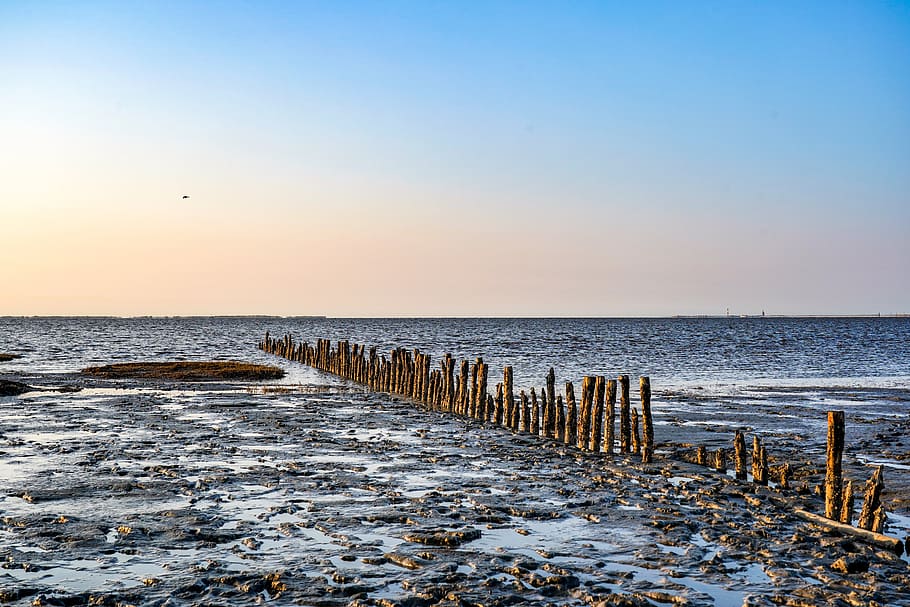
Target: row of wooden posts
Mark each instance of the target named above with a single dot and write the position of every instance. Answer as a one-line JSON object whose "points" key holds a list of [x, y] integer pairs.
{"points": [[589, 424]]}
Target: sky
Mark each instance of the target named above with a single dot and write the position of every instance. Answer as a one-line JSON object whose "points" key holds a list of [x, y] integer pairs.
{"points": [[454, 158]]}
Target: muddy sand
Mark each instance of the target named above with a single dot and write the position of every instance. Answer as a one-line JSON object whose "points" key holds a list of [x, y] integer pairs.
{"points": [[126, 493]]}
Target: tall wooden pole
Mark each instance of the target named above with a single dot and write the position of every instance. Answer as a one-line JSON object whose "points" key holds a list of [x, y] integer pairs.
{"points": [[833, 470]]}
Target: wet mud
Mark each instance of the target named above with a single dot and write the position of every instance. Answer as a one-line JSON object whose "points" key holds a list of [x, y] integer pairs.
{"points": [[125, 493]]}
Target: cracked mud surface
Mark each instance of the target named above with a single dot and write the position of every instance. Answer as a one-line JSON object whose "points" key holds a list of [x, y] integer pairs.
{"points": [[326, 495]]}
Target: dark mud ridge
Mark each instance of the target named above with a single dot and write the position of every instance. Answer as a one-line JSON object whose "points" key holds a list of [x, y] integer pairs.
{"points": [[13, 388], [239, 496], [187, 371]]}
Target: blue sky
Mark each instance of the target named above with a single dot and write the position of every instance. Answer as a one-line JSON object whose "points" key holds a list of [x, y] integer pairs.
{"points": [[652, 158]]}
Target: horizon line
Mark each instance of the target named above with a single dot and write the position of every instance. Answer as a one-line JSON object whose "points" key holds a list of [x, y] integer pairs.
{"points": [[462, 317]]}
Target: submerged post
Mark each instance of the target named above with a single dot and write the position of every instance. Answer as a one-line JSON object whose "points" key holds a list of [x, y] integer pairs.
{"points": [[833, 469]]}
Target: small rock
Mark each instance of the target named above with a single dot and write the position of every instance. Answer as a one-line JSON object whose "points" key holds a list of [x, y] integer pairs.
{"points": [[850, 565]]}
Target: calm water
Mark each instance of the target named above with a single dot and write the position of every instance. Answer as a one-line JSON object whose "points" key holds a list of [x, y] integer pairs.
{"points": [[675, 352]]}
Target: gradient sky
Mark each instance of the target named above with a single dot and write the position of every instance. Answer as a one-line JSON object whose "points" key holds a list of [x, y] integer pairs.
{"points": [[458, 158]]}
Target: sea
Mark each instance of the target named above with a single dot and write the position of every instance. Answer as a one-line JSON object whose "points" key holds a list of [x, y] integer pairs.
{"points": [[674, 352]]}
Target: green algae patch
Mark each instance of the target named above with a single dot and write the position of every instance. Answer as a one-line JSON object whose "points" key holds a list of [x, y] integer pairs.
{"points": [[187, 371]]}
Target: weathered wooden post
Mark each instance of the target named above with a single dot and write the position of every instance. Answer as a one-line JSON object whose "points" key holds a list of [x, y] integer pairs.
{"points": [[482, 374], [873, 499], [647, 424], [720, 460], [497, 415], [833, 471], [475, 397], [509, 396], [525, 412], [625, 425], [551, 400], [701, 456], [547, 427], [739, 447], [566, 423], [535, 413], [610, 421], [490, 408], [464, 396], [562, 431], [583, 424], [450, 383], [785, 474], [759, 471], [597, 417], [846, 513], [636, 440]]}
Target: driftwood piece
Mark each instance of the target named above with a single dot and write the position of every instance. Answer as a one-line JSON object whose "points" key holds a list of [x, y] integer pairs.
{"points": [[876, 539]]}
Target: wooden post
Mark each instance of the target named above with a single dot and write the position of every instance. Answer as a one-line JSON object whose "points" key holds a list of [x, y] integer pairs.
{"points": [[464, 396], [846, 513], [647, 425], [610, 421], [759, 472], [636, 440], [497, 414], [546, 426], [566, 423], [597, 416], [785, 474], [872, 501], [583, 425], [561, 430], [701, 456], [739, 447], [720, 460], [482, 384], [475, 397], [490, 408], [625, 427], [833, 472], [551, 400], [450, 383], [509, 395], [525, 412]]}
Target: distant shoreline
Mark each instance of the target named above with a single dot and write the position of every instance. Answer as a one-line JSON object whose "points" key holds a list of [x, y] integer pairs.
{"points": [[323, 317]]}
